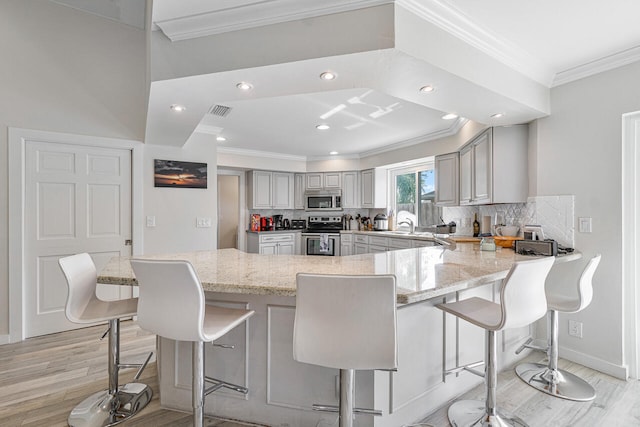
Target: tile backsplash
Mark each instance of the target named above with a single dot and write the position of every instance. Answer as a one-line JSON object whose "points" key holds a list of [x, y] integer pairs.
{"points": [[554, 213]]}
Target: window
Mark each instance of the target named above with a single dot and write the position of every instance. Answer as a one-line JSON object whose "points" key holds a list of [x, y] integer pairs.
{"points": [[414, 195]]}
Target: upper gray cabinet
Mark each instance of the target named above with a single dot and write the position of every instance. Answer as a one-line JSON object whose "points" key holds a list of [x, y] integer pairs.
{"points": [[322, 180], [298, 190], [373, 188], [447, 177], [494, 167], [270, 190], [350, 190]]}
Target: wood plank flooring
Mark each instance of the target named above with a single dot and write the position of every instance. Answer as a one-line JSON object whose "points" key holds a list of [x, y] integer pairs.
{"points": [[43, 378]]}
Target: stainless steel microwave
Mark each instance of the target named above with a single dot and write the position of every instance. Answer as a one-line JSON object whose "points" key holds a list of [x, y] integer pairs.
{"points": [[323, 200]]}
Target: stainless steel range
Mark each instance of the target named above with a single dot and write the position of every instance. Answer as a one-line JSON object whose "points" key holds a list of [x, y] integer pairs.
{"points": [[322, 236]]}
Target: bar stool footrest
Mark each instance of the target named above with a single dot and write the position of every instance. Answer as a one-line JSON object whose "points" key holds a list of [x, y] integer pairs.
{"points": [[557, 383], [218, 384], [102, 409], [472, 413], [334, 408]]}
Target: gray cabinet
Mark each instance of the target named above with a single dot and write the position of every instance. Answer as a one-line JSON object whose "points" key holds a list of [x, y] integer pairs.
{"points": [[298, 190], [346, 244], [350, 190], [373, 187], [272, 244], [323, 180], [494, 167], [270, 190], [446, 179]]}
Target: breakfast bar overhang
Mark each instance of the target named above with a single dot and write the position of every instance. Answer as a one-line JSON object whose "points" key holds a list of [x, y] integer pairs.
{"points": [[281, 390]]}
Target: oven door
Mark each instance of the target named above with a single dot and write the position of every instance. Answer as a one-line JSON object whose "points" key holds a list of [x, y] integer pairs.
{"points": [[314, 244]]}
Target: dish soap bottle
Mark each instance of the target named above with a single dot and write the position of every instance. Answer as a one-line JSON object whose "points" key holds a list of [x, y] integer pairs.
{"points": [[476, 225]]}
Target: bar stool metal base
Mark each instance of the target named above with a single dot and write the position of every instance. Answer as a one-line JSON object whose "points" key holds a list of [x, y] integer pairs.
{"points": [[558, 383], [102, 409], [473, 413]]}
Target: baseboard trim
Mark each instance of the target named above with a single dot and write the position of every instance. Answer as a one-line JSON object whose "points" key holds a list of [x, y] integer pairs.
{"points": [[5, 339], [618, 371]]}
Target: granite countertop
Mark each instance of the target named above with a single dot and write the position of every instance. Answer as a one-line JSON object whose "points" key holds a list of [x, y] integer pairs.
{"points": [[421, 273]]}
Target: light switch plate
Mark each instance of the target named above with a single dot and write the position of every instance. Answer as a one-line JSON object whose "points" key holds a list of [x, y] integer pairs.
{"points": [[151, 221], [584, 225]]}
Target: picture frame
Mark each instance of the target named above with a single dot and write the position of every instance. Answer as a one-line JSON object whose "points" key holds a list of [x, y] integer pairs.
{"points": [[179, 174]]}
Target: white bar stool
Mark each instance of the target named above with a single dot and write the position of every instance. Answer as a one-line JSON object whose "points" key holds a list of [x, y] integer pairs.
{"points": [[347, 323], [522, 302], [116, 404], [548, 378], [172, 305]]}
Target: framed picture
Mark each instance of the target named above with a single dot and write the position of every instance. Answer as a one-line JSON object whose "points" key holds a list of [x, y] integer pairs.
{"points": [[172, 173]]}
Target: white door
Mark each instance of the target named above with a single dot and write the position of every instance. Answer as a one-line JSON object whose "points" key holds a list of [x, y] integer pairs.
{"points": [[77, 199]]}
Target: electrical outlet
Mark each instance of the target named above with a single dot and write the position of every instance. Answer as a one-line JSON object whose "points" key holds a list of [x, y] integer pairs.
{"points": [[575, 329], [151, 221], [203, 222]]}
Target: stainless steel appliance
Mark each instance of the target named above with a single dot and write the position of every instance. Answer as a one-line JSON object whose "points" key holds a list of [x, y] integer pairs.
{"points": [[298, 224], [323, 200], [380, 222], [322, 236], [277, 222]]}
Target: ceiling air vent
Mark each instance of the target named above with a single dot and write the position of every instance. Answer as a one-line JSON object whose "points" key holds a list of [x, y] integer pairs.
{"points": [[220, 110]]}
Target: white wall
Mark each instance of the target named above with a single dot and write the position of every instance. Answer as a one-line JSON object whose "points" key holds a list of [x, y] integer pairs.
{"points": [[176, 209], [67, 71], [578, 151]]}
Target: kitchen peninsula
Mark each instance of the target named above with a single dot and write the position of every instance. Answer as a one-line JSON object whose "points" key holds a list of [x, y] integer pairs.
{"points": [[282, 390]]}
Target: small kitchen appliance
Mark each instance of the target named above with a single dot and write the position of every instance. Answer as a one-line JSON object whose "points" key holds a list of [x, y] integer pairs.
{"points": [[277, 222], [323, 200], [286, 225], [380, 222], [298, 224]]}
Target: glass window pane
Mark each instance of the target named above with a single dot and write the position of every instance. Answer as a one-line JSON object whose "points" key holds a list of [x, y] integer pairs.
{"points": [[429, 213], [406, 193]]}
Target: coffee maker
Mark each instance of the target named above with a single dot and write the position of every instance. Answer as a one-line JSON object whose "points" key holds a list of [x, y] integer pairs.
{"points": [[277, 222]]}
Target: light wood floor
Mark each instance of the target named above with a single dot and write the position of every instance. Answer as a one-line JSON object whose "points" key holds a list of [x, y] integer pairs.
{"points": [[43, 378]]}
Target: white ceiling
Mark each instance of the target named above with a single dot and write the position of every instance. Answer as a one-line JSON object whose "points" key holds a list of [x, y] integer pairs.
{"points": [[543, 44]]}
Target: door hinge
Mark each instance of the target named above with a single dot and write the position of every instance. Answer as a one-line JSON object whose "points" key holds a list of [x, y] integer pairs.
{"points": [[128, 242]]}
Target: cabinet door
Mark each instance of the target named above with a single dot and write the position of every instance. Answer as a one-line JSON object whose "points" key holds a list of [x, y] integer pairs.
{"points": [[482, 168], [465, 176], [314, 181], [447, 175], [298, 191], [286, 248], [332, 180], [367, 188], [262, 189], [359, 249], [346, 249], [350, 191], [282, 190], [268, 249]]}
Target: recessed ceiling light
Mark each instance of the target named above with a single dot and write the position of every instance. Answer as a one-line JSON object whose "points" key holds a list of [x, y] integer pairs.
{"points": [[177, 108], [244, 86], [322, 127], [427, 88], [333, 153], [328, 75], [450, 116], [497, 115], [221, 138]]}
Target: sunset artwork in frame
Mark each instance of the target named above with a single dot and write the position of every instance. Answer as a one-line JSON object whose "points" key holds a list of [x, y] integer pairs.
{"points": [[177, 174]]}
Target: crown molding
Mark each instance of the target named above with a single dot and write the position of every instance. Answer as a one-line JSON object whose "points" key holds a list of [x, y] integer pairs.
{"points": [[456, 23], [598, 66], [452, 130], [234, 19], [258, 153]]}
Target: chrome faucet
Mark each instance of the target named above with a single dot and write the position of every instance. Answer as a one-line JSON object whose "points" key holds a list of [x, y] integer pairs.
{"points": [[409, 222], [446, 243]]}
